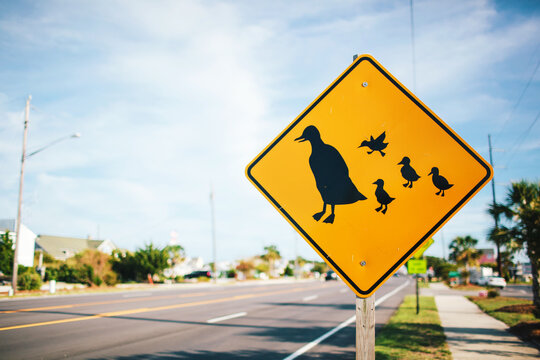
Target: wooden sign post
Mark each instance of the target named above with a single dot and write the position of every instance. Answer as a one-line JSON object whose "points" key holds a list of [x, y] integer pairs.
{"points": [[365, 328]]}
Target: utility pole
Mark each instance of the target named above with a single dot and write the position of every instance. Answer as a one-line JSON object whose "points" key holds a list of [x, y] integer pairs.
{"points": [[19, 205], [296, 270], [495, 215], [214, 275]]}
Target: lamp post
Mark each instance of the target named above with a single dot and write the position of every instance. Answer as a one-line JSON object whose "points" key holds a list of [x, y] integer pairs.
{"points": [[21, 183]]}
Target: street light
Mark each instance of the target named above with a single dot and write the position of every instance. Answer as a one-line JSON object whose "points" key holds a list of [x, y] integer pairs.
{"points": [[21, 182]]}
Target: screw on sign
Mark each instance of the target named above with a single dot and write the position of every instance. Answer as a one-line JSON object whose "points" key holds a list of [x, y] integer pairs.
{"points": [[367, 174]]}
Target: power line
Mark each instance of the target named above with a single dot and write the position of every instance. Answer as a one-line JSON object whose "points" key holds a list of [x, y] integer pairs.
{"points": [[517, 145], [518, 102]]}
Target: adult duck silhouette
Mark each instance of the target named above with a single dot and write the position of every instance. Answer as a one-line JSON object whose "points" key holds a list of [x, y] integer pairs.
{"points": [[439, 181], [331, 174], [408, 172], [377, 144], [382, 196]]}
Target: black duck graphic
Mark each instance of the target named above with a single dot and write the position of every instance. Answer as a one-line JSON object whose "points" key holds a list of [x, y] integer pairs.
{"points": [[331, 174], [382, 196], [377, 144], [439, 181], [408, 172]]}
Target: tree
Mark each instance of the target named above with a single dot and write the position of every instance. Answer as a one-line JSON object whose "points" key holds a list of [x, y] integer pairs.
{"points": [[464, 253], [501, 237], [137, 266], [272, 254], [522, 210], [6, 253], [176, 254], [246, 267], [151, 260], [320, 267], [440, 266]]}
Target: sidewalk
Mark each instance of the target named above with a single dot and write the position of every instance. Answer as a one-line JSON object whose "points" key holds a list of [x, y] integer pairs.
{"points": [[472, 334]]}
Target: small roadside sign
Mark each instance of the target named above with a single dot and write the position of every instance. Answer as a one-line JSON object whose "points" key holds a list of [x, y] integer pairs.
{"points": [[420, 252], [367, 173], [417, 266]]}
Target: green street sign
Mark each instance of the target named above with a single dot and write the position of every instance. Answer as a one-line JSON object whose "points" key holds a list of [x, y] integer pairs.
{"points": [[418, 254], [417, 266]]}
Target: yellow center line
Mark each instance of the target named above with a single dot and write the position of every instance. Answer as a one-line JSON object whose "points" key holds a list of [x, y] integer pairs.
{"points": [[149, 309], [68, 306]]}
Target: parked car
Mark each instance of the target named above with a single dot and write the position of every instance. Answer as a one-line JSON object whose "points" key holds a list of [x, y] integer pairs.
{"points": [[496, 281], [482, 281], [198, 274], [330, 275]]}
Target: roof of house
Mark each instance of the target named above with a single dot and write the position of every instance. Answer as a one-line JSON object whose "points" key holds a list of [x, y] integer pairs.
{"points": [[65, 247]]}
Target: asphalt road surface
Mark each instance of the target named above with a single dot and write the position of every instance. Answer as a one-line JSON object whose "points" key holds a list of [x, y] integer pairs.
{"points": [[250, 321], [519, 291]]}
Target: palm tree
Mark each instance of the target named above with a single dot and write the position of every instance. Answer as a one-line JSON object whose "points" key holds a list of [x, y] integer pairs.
{"points": [[522, 209], [497, 234], [272, 254], [464, 253]]}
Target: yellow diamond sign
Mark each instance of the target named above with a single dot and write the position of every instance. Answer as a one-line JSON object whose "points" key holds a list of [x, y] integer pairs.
{"points": [[367, 173]]}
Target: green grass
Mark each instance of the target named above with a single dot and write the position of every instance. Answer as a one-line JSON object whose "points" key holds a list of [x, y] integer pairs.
{"points": [[490, 306], [411, 336]]}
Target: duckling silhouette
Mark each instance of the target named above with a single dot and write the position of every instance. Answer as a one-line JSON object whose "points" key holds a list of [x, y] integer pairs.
{"points": [[439, 181], [382, 196], [408, 172], [377, 144], [331, 174]]}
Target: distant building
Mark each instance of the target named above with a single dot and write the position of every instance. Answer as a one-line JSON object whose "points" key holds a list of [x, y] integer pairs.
{"points": [[185, 267], [25, 255], [62, 248], [487, 257]]}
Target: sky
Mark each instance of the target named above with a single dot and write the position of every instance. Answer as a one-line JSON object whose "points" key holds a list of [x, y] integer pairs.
{"points": [[174, 98]]}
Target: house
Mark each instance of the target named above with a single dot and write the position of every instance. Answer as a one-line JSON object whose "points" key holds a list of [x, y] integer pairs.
{"points": [[185, 267], [62, 248], [25, 255], [487, 257]]}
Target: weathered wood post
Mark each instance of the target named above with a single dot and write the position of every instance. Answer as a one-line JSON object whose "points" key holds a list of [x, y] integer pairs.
{"points": [[365, 328]]}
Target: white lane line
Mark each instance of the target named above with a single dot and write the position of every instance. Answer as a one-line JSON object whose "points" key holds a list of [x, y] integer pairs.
{"points": [[309, 298], [137, 295], [346, 323], [226, 317], [343, 290]]}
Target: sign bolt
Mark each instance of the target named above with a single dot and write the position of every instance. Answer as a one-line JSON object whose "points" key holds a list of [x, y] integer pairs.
{"points": [[364, 84], [362, 263]]}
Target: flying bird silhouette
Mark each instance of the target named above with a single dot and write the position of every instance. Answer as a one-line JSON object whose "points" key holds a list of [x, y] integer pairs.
{"points": [[439, 181], [408, 172], [377, 144], [382, 196], [331, 174]]}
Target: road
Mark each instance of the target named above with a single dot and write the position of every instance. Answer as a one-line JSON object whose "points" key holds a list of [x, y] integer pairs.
{"points": [[252, 321], [519, 291]]}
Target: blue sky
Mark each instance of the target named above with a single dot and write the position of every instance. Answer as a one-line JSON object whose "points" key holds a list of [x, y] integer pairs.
{"points": [[175, 97]]}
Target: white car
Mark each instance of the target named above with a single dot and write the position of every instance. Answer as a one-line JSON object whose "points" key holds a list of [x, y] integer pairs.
{"points": [[496, 281], [482, 281]]}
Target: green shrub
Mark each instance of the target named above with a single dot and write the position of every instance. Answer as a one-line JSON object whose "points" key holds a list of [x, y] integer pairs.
{"points": [[110, 278], [493, 293], [29, 281]]}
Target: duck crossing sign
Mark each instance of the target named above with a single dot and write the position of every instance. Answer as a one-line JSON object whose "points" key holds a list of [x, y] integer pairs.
{"points": [[367, 174]]}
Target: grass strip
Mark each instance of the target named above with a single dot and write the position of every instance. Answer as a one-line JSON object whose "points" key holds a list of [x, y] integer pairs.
{"points": [[411, 336], [491, 306]]}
